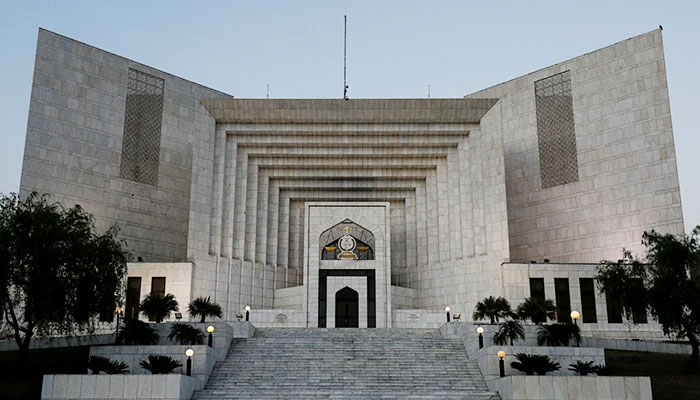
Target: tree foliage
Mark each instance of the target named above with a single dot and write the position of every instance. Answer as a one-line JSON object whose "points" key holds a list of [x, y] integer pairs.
{"points": [[137, 332], [534, 364], [159, 364], [492, 308], [536, 310], [157, 307], [204, 307], [558, 334], [186, 334], [58, 276], [508, 331], [667, 284], [98, 364]]}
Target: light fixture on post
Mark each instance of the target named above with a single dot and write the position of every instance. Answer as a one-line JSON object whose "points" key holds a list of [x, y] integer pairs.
{"points": [[447, 311], [575, 315], [189, 353], [501, 363], [480, 331], [247, 311], [210, 329], [117, 311]]}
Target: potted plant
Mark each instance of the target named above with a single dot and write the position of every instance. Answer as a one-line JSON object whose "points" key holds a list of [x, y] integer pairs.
{"points": [[239, 316]]}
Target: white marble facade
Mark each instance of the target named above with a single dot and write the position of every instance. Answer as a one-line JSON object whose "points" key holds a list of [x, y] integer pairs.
{"points": [[451, 188]]}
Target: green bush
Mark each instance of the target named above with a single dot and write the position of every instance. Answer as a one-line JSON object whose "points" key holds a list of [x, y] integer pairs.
{"points": [[204, 307], [558, 334], [582, 368], [158, 364], [534, 364], [98, 364], [508, 332], [186, 334], [157, 308], [137, 332], [536, 310]]}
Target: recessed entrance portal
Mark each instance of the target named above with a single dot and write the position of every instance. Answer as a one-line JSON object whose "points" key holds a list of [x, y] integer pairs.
{"points": [[347, 308]]}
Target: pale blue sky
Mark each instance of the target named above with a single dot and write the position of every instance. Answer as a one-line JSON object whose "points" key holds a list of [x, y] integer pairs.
{"points": [[395, 49]]}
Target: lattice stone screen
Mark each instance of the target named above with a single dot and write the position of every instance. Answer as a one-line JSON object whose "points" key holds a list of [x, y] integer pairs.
{"points": [[555, 130], [142, 125]]}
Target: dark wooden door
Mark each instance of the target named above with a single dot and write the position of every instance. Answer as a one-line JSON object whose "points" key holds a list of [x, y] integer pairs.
{"points": [[133, 297], [347, 309]]}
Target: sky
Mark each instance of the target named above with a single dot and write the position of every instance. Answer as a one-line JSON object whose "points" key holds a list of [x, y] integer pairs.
{"points": [[395, 50]]}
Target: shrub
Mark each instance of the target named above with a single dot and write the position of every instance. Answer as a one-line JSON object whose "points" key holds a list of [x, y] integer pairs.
{"points": [[138, 333], [98, 364], [157, 308], [186, 334], [492, 308], [508, 332], [536, 310], [582, 368], [204, 307], [534, 363], [158, 364], [558, 334], [601, 370]]}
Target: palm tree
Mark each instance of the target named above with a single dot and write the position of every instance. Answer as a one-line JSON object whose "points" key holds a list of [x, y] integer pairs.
{"points": [[493, 308], [186, 334], [160, 364], [204, 307], [157, 307], [137, 332], [537, 310], [558, 334], [508, 332]]}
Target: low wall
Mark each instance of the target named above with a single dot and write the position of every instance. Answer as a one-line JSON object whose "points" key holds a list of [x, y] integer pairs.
{"points": [[202, 362], [172, 386], [277, 318], [60, 341], [487, 358], [572, 387], [417, 318], [637, 345]]}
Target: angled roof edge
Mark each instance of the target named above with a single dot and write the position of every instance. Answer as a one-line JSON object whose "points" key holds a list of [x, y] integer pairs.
{"points": [[130, 60], [563, 62]]}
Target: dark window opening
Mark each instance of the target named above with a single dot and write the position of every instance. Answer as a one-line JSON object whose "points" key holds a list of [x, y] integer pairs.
{"points": [[639, 309], [133, 298], [614, 308], [537, 288], [563, 299], [588, 311]]}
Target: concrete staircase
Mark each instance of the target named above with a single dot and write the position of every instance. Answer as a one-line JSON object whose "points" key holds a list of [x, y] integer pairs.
{"points": [[346, 364]]}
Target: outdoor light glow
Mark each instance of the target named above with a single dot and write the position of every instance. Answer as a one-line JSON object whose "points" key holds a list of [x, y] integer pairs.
{"points": [[247, 308], [210, 329], [501, 354], [479, 330], [118, 310], [575, 315], [447, 309], [189, 352]]}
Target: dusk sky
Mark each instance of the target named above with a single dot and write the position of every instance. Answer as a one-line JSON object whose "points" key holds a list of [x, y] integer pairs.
{"points": [[395, 50]]}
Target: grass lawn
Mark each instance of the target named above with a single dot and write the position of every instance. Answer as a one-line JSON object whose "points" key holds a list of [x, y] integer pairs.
{"points": [[670, 378], [23, 380]]}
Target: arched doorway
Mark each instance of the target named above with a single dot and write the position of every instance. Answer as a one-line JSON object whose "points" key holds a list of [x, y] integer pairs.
{"points": [[347, 308]]}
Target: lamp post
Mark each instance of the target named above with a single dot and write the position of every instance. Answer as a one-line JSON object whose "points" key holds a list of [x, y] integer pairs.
{"points": [[501, 363], [247, 311], [447, 311], [210, 329], [480, 331], [189, 353], [117, 311], [575, 315]]}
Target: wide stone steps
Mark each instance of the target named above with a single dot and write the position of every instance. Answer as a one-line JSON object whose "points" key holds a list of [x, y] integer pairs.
{"points": [[346, 364]]}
